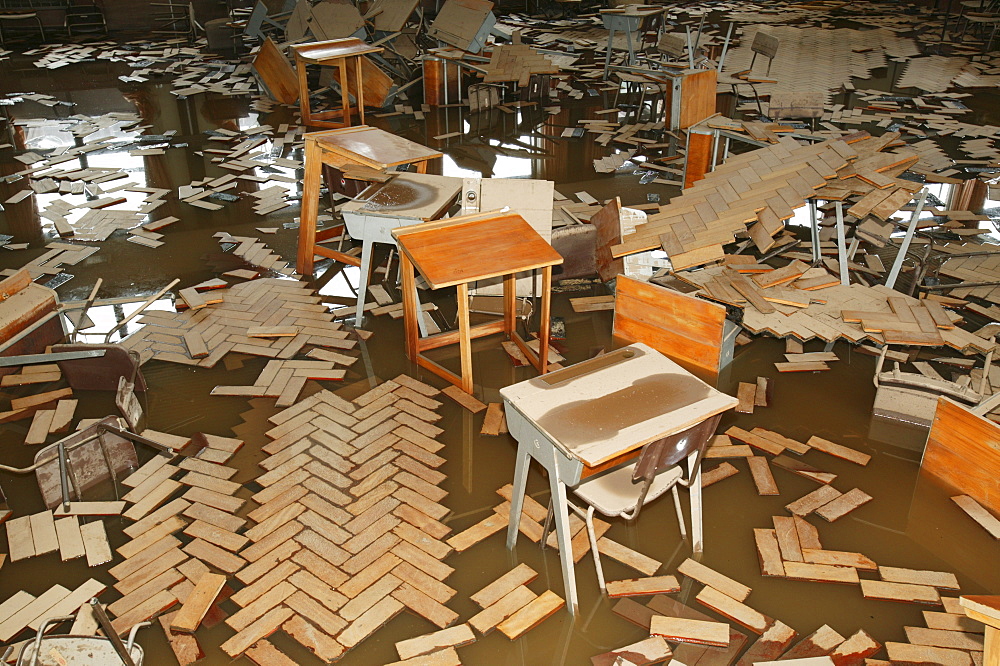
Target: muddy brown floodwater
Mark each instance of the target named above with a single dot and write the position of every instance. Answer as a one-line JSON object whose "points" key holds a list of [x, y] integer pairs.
{"points": [[911, 523]]}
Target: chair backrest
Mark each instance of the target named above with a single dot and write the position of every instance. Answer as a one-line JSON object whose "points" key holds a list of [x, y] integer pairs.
{"points": [[765, 44], [683, 328], [672, 44]]}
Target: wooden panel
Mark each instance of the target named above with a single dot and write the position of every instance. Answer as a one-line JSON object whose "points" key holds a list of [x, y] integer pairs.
{"points": [[274, 69], [963, 450], [687, 330], [607, 221], [699, 157]]}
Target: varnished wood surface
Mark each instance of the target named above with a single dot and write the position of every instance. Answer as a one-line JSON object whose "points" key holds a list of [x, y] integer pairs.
{"points": [[318, 53], [372, 146], [474, 247], [963, 450]]}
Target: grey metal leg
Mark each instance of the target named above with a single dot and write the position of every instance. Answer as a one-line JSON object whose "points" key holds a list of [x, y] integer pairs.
{"points": [[607, 57], [694, 473], [560, 507], [366, 264], [517, 493]]}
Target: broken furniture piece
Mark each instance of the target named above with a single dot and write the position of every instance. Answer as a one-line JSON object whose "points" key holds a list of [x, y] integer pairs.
{"points": [[582, 420], [464, 24], [405, 200], [101, 371], [333, 53], [367, 146], [29, 319], [96, 650], [459, 251], [986, 609], [691, 331], [626, 20], [963, 451]]}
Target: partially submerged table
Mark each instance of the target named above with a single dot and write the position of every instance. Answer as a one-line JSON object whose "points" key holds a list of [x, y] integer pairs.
{"points": [[458, 251], [625, 19], [406, 200], [332, 53], [367, 146], [596, 415]]}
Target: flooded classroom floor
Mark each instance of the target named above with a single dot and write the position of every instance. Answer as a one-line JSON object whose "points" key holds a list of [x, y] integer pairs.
{"points": [[303, 567]]}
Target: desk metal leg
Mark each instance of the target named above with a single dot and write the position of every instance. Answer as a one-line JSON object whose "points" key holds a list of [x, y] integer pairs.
{"points": [[694, 473], [310, 208], [607, 57], [561, 510], [366, 264], [521, 466]]}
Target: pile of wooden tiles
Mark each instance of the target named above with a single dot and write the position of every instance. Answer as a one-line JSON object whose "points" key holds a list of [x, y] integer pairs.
{"points": [[45, 532], [55, 260], [284, 380], [984, 268], [784, 308], [516, 62], [203, 336], [762, 188], [256, 253], [347, 533], [931, 73]]}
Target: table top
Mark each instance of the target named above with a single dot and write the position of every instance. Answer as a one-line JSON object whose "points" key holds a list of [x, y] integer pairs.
{"points": [[608, 406], [634, 10], [474, 247], [413, 195], [333, 49], [372, 146]]}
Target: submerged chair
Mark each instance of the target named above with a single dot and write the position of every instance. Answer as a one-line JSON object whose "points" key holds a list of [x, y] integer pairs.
{"points": [[623, 491], [19, 16]]}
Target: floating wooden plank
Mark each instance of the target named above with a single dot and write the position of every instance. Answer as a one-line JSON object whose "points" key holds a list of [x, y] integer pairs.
{"points": [[43, 533], [768, 552], [804, 470], [717, 473], [652, 650], [445, 657], [812, 501], [938, 579], [90, 509], [843, 505], [70, 540], [838, 558], [821, 642], [821, 573], [952, 622], [531, 615], [464, 399], [810, 366], [196, 605], [736, 611], [642, 586], [770, 645], [746, 393], [905, 653], [19, 541], [628, 557], [755, 440], [184, 646], [905, 592], [979, 514], [788, 538], [95, 543], [473, 535], [370, 621], [487, 619], [858, 647], [262, 628], [838, 450], [19, 617], [956, 640], [522, 574], [495, 422], [452, 637], [762, 478], [684, 630], [710, 577]]}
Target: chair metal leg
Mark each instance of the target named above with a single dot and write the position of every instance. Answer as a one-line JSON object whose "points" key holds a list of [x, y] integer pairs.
{"points": [[547, 526], [680, 514], [593, 548]]}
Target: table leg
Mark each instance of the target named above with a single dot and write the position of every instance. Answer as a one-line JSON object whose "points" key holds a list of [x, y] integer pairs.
{"points": [[694, 473], [360, 97], [509, 303], [310, 208], [517, 493], [561, 510], [464, 337], [409, 306], [422, 167], [544, 321], [345, 95], [366, 263], [304, 109]]}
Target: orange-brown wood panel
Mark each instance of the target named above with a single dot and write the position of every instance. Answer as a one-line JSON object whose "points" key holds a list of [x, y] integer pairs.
{"points": [[276, 72], [963, 450], [698, 97], [699, 157], [686, 329], [608, 224], [376, 82]]}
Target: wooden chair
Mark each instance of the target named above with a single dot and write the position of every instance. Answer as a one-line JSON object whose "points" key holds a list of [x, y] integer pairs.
{"points": [[767, 46], [688, 330]]}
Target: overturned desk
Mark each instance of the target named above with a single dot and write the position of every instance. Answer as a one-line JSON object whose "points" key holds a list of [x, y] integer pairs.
{"points": [[596, 415], [367, 146], [459, 251]]}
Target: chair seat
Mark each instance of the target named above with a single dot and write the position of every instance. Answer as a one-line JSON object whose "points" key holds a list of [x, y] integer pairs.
{"points": [[613, 493]]}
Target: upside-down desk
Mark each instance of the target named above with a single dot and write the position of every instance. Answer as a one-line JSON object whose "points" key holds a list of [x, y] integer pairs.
{"points": [[627, 20], [458, 251], [367, 146], [406, 200], [596, 415], [332, 53]]}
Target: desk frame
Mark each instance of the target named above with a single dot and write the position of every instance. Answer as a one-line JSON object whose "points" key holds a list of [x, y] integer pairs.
{"points": [[316, 155], [340, 62], [466, 333]]}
